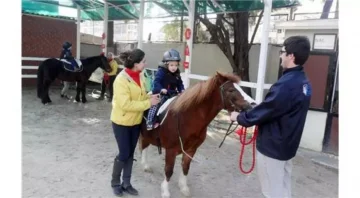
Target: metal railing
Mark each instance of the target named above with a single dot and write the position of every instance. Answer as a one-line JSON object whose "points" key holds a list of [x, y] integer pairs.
{"points": [[190, 76]]}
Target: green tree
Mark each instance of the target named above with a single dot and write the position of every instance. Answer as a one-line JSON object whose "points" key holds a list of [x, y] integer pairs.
{"points": [[234, 25], [172, 30]]}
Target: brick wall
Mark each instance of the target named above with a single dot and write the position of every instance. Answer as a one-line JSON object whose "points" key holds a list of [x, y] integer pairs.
{"points": [[43, 37]]}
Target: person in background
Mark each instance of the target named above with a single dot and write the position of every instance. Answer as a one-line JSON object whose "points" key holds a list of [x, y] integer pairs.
{"points": [[109, 78], [67, 55], [128, 105], [280, 119]]}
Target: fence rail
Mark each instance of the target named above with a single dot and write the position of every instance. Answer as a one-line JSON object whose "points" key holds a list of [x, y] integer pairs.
{"points": [[191, 76]]}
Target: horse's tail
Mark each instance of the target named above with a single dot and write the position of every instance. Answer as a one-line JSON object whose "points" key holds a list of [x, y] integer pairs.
{"points": [[40, 80]]}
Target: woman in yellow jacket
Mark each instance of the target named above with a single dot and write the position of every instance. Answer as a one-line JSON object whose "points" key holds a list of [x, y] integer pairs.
{"points": [[129, 102], [110, 77]]}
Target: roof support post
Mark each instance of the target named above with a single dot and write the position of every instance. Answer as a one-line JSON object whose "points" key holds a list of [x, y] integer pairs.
{"points": [[78, 39], [263, 51], [105, 36], [141, 24], [189, 42]]}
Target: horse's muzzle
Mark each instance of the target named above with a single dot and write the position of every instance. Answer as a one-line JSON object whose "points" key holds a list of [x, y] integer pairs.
{"points": [[248, 107]]}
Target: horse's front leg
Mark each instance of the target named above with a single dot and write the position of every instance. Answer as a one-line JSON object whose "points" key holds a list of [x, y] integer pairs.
{"points": [[186, 160], [170, 158], [83, 92], [78, 89]]}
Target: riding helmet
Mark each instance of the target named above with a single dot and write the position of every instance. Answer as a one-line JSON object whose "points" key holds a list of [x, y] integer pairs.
{"points": [[66, 45], [171, 55]]}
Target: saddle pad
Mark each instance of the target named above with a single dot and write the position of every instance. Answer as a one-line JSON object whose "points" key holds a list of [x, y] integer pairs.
{"points": [[78, 62], [165, 105]]}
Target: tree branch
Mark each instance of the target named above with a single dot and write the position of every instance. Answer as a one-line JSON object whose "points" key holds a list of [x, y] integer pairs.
{"points": [[220, 35], [228, 22], [256, 28]]}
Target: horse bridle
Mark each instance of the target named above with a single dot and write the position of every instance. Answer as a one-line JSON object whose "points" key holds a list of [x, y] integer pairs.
{"points": [[223, 98], [228, 132]]}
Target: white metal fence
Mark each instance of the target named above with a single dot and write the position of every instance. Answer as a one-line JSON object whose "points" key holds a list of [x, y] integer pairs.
{"points": [[183, 75], [35, 67]]}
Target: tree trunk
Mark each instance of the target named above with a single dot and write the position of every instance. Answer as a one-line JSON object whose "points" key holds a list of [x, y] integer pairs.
{"points": [[182, 25], [326, 9], [241, 47], [239, 57], [110, 36]]}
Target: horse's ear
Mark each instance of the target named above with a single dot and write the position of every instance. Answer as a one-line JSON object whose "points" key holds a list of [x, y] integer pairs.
{"points": [[228, 76], [220, 74]]}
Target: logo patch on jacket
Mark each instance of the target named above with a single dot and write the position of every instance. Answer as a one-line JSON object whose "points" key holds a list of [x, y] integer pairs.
{"points": [[307, 89]]}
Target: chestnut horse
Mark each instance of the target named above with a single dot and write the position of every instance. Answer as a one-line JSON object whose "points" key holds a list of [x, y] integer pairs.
{"points": [[184, 128]]}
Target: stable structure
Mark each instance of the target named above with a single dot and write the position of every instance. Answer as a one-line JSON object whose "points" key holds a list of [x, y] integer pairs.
{"points": [[39, 41], [130, 9]]}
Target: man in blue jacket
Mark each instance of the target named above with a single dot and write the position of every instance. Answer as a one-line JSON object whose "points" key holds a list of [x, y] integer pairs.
{"points": [[280, 119]]}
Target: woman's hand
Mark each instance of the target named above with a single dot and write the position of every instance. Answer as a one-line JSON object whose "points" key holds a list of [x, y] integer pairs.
{"points": [[154, 99]]}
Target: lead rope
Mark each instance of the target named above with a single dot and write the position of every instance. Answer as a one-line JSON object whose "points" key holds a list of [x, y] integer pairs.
{"points": [[181, 143], [242, 132]]}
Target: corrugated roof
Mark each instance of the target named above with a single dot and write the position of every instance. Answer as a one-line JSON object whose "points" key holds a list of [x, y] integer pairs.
{"points": [[51, 16], [124, 10]]}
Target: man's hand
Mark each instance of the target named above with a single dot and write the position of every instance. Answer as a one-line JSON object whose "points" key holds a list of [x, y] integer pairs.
{"points": [[164, 91], [234, 115]]}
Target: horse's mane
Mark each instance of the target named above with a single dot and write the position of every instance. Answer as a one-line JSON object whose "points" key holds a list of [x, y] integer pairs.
{"points": [[196, 94], [91, 58]]}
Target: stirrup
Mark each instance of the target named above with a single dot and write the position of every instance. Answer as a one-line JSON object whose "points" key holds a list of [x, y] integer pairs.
{"points": [[149, 128]]}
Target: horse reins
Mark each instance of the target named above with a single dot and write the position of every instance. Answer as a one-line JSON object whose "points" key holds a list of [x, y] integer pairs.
{"points": [[242, 132], [178, 123]]}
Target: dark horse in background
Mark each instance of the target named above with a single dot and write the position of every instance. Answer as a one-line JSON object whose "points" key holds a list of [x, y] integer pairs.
{"points": [[185, 124], [52, 68]]}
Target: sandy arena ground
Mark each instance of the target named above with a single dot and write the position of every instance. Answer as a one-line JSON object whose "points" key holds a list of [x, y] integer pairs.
{"points": [[68, 151]]}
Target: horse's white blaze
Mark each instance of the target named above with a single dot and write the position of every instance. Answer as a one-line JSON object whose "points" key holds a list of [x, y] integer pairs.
{"points": [[165, 189], [242, 92], [183, 184], [144, 160]]}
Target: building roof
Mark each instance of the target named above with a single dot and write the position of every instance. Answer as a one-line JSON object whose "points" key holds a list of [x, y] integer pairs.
{"points": [[315, 24]]}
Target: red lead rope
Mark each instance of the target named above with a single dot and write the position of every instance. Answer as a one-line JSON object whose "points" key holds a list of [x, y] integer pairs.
{"points": [[106, 79], [242, 134]]}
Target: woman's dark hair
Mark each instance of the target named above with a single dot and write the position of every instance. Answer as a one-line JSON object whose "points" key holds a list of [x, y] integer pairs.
{"points": [[299, 46], [131, 57]]}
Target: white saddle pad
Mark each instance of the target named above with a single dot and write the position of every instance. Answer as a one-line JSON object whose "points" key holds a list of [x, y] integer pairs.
{"points": [[79, 63], [165, 105]]}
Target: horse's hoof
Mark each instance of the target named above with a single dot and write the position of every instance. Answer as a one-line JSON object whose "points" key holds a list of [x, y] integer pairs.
{"points": [[185, 191], [165, 195], [84, 101], [148, 169]]}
